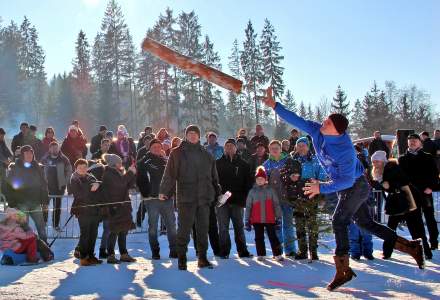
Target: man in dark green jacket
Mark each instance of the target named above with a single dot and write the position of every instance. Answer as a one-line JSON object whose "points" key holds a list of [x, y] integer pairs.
{"points": [[193, 169]]}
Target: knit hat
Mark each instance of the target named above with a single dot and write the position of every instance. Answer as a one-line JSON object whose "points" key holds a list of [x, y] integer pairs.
{"points": [[102, 128], [2, 131], [304, 140], [155, 141], [379, 156], [414, 136], [241, 140], [112, 159], [340, 122], [73, 127], [231, 141], [193, 128], [261, 172], [167, 142]]}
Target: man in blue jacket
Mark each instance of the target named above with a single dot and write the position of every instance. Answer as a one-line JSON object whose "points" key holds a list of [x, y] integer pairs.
{"points": [[336, 154]]}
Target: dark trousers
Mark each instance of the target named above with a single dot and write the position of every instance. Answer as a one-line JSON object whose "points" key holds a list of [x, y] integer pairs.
{"points": [[122, 242], [88, 227], [189, 214], [273, 239], [428, 211], [164, 209], [214, 239], [225, 214], [56, 211], [416, 228], [306, 220], [352, 204]]}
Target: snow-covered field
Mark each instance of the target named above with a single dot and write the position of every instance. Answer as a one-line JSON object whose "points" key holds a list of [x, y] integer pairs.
{"points": [[231, 279]]}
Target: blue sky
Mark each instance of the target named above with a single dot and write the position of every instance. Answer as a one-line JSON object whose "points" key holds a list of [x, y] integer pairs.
{"points": [[325, 43]]}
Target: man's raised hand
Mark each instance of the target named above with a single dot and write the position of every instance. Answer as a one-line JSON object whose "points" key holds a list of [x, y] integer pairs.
{"points": [[268, 99]]}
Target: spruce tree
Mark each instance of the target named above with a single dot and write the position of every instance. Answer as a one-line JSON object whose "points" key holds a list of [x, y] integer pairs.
{"points": [[340, 104]]}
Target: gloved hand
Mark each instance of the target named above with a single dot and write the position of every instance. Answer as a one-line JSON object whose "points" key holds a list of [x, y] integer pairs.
{"points": [[248, 226], [278, 224]]}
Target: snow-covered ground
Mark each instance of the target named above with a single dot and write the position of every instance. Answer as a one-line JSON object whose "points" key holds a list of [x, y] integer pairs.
{"points": [[231, 279]]}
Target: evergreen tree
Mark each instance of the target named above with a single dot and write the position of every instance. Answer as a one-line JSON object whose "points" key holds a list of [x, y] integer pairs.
{"points": [[33, 77], [302, 110], [251, 64], [340, 104], [235, 106], [115, 46], [82, 85], [271, 61], [289, 101]]}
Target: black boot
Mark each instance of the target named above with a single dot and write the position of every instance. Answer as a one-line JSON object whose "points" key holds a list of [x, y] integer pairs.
{"points": [[155, 254], [204, 262], [173, 254], [102, 253], [182, 262]]}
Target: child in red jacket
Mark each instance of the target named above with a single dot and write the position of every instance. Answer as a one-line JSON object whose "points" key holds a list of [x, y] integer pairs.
{"points": [[263, 211]]}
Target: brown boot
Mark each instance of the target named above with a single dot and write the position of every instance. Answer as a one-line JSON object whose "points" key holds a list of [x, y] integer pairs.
{"points": [[85, 262], [413, 248], [343, 272], [127, 258]]}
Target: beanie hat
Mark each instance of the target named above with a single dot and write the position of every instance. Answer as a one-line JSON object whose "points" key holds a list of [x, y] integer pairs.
{"points": [[167, 142], [231, 141], [261, 172], [73, 127], [102, 128], [193, 128], [304, 140], [414, 136], [379, 156], [340, 122], [112, 159], [155, 141], [2, 131]]}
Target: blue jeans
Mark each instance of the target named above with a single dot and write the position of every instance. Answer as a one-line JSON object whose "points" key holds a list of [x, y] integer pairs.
{"points": [[361, 241], [287, 233], [165, 209], [352, 204]]}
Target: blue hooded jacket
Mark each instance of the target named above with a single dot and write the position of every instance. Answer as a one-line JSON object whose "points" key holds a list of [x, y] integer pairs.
{"points": [[335, 153]]}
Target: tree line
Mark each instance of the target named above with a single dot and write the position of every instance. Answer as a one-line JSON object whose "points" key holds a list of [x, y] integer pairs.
{"points": [[112, 82]]}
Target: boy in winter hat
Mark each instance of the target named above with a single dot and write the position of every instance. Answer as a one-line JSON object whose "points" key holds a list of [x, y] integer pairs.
{"points": [[263, 211]]}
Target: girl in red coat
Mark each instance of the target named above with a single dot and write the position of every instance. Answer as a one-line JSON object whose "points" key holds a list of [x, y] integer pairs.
{"points": [[263, 211]]}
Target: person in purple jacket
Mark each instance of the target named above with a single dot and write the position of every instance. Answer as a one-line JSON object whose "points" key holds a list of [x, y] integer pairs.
{"points": [[336, 154]]}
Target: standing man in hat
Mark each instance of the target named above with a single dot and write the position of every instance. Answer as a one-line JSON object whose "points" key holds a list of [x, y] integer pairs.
{"points": [[336, 154], [422, 172], [95, 143], [193, 170], [234, 175]]}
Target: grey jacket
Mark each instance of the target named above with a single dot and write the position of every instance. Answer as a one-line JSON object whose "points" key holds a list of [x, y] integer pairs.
{"points": [[194, 171], [63, 166], [262, 205]]}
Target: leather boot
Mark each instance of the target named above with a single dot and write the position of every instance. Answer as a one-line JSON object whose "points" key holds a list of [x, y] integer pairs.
{"points": [[413, 248], [343, 272], [182, 262], [203, 262]]}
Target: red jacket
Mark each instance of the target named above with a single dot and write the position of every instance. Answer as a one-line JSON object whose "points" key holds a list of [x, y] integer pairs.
{"points": [[262, 205]]}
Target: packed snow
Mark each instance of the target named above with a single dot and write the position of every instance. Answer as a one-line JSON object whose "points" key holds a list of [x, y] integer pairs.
{"points": [[234, 278]]}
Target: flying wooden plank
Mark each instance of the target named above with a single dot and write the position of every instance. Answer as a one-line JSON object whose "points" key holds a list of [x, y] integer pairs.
{"points": [[191, 66]]}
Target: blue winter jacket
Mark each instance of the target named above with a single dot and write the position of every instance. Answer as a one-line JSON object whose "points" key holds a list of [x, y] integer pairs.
{"points": [[215, 150], [310, 167], [335, 153]]}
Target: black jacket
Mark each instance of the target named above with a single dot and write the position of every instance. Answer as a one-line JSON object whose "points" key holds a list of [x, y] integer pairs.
{"points": [[5, 153], [376, 145], [95, 143], [430, 147], [234, 176], [80, 187], [255, 162], [150, 170], [421, 170], [25, 186], [194, 171]]}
